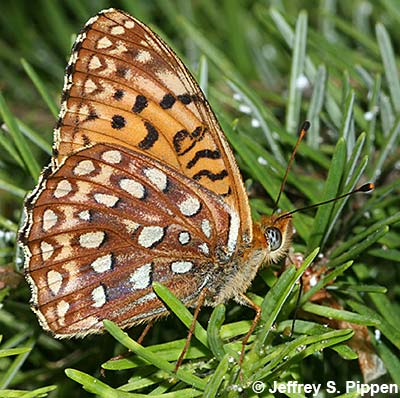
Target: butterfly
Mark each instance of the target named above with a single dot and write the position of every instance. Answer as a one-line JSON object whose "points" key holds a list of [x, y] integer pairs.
{"points": [[142, 187]]}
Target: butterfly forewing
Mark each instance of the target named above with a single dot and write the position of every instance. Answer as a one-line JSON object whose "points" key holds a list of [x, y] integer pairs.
{"points": [[125, 86], [106, 224]]}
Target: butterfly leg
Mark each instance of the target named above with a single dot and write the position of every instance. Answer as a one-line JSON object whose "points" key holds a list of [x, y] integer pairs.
{"points": [[145, 331], [200, 302], [257, 309]]}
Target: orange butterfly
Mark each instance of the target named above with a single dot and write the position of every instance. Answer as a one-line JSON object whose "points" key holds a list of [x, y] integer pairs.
{"points": [[142, 187]]}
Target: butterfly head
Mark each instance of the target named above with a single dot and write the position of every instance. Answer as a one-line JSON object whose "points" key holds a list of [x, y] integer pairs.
{"points": [[274, 233]]}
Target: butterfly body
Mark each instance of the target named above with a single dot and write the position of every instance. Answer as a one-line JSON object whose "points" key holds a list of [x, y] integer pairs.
{"points": [[142, 188]]}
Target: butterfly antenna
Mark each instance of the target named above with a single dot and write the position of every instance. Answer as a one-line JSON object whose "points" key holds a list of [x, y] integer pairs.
{"points": [[363, 188], [303, 130]]}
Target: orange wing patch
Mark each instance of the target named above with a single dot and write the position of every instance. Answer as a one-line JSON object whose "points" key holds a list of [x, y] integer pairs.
{"points": [[125, 86]]}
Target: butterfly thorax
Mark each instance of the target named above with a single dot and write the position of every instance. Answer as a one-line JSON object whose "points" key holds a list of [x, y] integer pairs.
{"points": [[271, 240]]}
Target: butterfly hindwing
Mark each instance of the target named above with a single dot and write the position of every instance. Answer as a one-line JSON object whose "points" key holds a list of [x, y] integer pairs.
{"points": [[108, 222]]}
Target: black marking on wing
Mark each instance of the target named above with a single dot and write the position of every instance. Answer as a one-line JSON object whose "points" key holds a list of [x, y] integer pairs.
{"points": [[204, 153], [92, 115], [178, 138], [192, 138], [22, 238], [151, 137], [65, 95], [227, 193], [78, 44], [212, 176], [186, 99], [121, 71], [168, 101], [59, 123], [105, 291], [112, 261], [118, 94], [118, 122], [70, 69], [140, 104], [86, 140]]}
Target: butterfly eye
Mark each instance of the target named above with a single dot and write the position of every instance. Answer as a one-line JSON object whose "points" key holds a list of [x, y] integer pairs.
{"points": [[274, 237]]}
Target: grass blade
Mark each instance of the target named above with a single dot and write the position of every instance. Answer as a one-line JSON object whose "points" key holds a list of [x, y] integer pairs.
{"points": [[40, 87], [389, 63], [299, 50], [20, 142], [213, 331], [333, 181], [360, 247], [316, 104], [217, 378], [95, 386], [178, 308], [18, 362], [152, 358]]}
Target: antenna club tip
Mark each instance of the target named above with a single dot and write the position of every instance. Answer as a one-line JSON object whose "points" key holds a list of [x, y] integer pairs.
{"points": [[306, 125], [370, 186]]}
